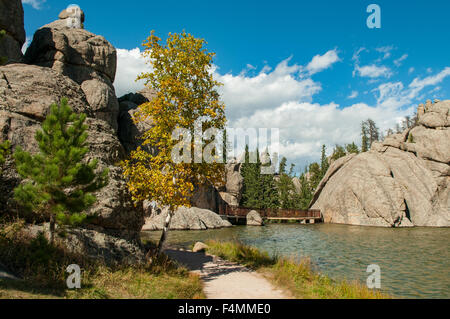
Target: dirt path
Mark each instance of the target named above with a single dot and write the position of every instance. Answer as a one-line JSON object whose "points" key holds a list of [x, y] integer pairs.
{"points": [[226, 280]]}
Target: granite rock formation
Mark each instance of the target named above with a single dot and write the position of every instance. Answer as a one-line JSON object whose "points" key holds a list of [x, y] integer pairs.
{"points": [[402, 181]]}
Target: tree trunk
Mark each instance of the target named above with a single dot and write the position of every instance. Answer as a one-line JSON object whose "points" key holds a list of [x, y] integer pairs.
{"points": [[52, 229], [164, 232]]}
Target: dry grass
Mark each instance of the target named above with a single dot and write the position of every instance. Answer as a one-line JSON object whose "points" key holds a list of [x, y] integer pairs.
{"points": [[298, 277], [42, 268]]}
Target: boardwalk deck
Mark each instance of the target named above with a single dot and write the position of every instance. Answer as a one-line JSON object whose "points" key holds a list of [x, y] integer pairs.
{"points": [[239, 214]]}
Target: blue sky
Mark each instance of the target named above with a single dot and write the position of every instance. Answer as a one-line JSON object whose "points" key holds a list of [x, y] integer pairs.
{"points": [[312, 68]]}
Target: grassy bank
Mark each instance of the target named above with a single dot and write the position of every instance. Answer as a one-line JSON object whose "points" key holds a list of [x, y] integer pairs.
{"points": [[298, 277], [42, 269]]}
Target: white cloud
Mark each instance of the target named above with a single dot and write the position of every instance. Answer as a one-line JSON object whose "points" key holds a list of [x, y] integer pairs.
{"points": [[411, 70], [430, 80], [130, 63], [357, 54], [353, 95], [36, 4], [386, 50], [322, 62], [243, 95], [373, 71], [26, 44], [283, 97], [399, 61]]}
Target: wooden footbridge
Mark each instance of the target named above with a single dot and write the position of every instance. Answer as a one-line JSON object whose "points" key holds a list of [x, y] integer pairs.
{"points": [[238, 215]]}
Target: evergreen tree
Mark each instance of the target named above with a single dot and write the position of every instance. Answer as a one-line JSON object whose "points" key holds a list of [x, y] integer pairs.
{"points": [[3, 59], [269, 192], [373, 132], [251, 173], [364, 138], [338, 152], [324, 161], [352, 148], [4, 151], [306, 192], [315, 176], [59, 182], [283, 164]]}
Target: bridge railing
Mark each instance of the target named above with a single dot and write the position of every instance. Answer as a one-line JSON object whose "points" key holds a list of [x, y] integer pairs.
{"points": [[269, 212]]}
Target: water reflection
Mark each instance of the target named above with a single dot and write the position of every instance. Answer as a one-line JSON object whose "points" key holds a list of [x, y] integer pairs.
{"points": [[414, 262]]}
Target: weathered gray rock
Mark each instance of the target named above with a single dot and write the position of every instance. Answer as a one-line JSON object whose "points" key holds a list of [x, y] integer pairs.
{"points": [[199, 247], [254, 219], [77, 53], [26, 93], [186, 219], [88, 59], [65, 14], [402, 181], [129, 132], [94, 245], [12, 21], [234, 180], [206, 197], [297, 184]]}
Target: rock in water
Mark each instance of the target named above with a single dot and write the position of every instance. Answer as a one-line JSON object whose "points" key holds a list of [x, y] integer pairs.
{"points": [[402, 181], [254, 219], [11, 20], [186, 219]]}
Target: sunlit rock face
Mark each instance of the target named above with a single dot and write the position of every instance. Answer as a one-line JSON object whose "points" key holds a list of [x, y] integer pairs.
{"points": [[402, 181]]}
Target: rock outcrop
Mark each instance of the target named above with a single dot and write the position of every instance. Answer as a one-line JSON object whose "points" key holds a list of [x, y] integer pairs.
{"points": [[12, 21], [93, 245], [402, 181], [186, 219], [129, 132], [88, 59], [81, 66], [254, 219]]}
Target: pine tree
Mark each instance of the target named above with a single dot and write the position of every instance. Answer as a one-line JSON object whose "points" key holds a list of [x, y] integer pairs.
{"points": [[59, 182], [4, 151], [306, 192], [3, 59], [315, 176], [373, 132], [364, 138], [324, 161], [269, 192], [338, 152], [252, 189], [352, 148]]}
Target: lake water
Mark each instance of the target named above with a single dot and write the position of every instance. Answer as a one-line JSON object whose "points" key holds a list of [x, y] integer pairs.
{"points": [[414, 262]]}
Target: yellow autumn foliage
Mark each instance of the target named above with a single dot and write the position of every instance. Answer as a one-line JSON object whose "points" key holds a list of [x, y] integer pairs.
{"points": [[185, 92]]}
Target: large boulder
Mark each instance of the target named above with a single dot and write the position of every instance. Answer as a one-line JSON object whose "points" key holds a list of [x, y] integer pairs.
{"points": [[402, 181], [11, 20], [130, 133], [254, 219], [26, 93], [87, 58], [94, 245], [184, 218]]}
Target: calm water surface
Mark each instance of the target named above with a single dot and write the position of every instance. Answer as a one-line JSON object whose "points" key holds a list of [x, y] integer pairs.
{"points": [[414, 262]]}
